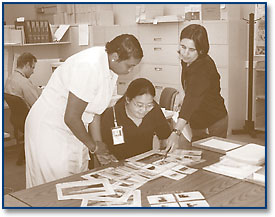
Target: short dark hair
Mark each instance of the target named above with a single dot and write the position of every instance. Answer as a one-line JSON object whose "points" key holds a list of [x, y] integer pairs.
{"points": [[139, 87], [25, 58], [126, 46], [198, 34]]}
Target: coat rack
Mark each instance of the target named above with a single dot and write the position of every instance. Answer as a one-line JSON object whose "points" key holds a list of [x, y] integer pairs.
{"points": [[249, 127]]}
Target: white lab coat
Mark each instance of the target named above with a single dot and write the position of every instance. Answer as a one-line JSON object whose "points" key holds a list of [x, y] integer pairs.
{"points": [[52, 151]]}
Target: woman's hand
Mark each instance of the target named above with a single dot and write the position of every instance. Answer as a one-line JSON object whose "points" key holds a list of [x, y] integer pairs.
{"points": [[172, 142], [103, 154]]}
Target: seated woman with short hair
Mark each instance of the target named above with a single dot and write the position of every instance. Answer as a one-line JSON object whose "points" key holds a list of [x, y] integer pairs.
{"points": [[128, 127]]}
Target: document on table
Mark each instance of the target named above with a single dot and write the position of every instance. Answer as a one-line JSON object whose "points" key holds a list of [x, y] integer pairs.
{"points": [[216, 144]]}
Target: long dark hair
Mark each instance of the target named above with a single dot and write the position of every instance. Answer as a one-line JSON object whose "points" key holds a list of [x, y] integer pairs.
{"points": [[126, 46], [198, 34]]}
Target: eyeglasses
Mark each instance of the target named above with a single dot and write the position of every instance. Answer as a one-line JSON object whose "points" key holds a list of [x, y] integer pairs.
{"points": [[141, 105]]}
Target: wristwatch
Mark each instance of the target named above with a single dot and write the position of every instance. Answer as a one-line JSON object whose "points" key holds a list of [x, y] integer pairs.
{"points": [[178, 132]]}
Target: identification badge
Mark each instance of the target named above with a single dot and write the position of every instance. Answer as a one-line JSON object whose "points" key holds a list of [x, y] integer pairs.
{"points": [[117, 133]]}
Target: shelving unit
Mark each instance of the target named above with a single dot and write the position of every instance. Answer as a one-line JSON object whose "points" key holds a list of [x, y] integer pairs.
{"points": [[259, 96]]}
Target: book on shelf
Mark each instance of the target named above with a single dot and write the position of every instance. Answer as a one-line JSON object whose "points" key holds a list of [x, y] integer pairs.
{"points": [[35, 31], [217, 144], [253, 154]]}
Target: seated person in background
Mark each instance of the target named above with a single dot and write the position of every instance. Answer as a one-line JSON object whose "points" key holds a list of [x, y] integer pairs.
{"points": [[139, 117], [19, 84]]}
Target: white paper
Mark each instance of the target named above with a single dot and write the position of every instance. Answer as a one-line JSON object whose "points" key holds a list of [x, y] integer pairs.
{"points": [[220, 144], [232, 168], [83, 34], [173, 175], [162, 198], [250, 153], [165, 205], [82, 189], [60, 32], [195, 203], [186, 196]]}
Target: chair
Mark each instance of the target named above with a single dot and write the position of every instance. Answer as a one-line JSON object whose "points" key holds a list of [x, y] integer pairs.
{"points": [[167, 98], [19, 112]]}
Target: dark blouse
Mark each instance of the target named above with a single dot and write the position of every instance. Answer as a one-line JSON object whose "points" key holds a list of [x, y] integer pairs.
{"points": [[203, 104], [138, 139]]}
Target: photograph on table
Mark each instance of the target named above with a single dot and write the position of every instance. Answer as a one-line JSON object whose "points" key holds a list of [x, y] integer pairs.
{"points": [[82, 189]]}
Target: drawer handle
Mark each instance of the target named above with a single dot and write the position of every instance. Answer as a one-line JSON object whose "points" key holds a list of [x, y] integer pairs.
{"points": [[157, 39], [157, 49], [121, 82], [158, 69]]}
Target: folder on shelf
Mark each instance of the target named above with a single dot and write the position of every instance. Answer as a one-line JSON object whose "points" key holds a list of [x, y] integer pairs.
{"points": [[60, 32]]}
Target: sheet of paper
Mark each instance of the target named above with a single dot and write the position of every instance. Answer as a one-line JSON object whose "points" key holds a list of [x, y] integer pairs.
{"points": [[232, 168], [82, 189], [162, 198], [60, 32], [134, 200], [250, 153], [184, 169], [173, 175], [220, 144], [165, 205], [83, 34], [195, 203], [186, 196]]}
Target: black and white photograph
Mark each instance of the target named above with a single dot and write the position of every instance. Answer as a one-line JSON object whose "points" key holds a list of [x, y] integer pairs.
{"points": [[135, 105]]}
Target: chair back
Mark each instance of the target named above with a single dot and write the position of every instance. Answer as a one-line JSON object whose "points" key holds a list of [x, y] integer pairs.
{"points": [[167, 98], [19, 111]]}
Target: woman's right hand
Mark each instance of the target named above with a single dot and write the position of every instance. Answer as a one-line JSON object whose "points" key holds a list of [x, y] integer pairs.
{"points": [[172, 142]]}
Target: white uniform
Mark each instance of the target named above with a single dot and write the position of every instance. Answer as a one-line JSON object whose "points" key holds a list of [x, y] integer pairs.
{"points": [[52, 151]]}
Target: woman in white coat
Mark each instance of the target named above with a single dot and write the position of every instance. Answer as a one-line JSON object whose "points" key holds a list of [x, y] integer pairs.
{"points": [[64, 123]]}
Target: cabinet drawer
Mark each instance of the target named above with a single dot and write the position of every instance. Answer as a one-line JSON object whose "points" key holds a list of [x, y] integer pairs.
{"points": [[162, 33], [135, 73], [161, 54], [161, 73], [219, 54], [217, 32]]}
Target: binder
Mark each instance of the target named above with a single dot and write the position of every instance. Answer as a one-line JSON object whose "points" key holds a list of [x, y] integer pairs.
{"points": [[38, 31]]}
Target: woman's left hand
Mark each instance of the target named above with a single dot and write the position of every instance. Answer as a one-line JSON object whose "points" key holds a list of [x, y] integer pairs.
{"points": [[103, 154]]}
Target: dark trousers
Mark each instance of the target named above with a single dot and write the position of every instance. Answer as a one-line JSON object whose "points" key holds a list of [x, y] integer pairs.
{"points": [[218, 129]]}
